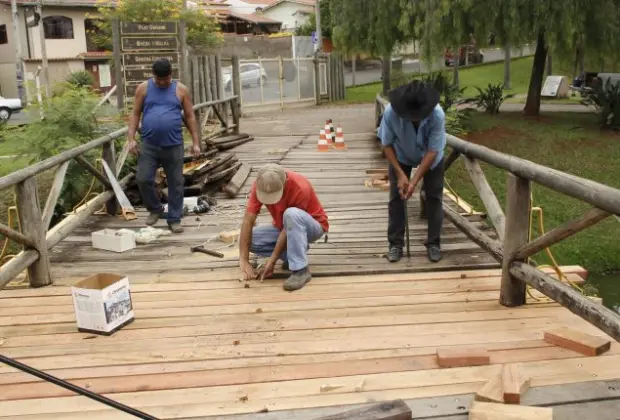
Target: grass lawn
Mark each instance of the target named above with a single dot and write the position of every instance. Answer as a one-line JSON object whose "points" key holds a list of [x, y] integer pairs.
{"points": [[568, 142]]}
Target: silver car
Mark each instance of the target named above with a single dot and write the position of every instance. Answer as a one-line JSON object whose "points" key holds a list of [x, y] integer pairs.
{"points": [[8, 107]]}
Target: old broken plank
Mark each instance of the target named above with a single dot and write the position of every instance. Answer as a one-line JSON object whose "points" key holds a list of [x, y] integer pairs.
{"points": [[237, 181], [585, 344], [462, 356], [514, 384]]}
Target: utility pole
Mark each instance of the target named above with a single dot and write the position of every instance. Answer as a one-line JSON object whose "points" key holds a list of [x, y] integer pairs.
{"points": [[19, 59], [319, 44], [46, 69]]}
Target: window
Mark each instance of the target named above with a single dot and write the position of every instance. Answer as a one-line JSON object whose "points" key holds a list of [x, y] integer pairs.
{"points": [[4, 39], [58, 27]]}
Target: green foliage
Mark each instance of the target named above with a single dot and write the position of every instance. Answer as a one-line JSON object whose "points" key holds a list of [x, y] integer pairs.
{"points": [[326, 22], [203, 30], [490, 98], [81, 79], [606, 100]]}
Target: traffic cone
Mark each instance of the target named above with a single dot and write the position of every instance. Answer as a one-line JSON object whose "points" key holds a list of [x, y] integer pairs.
{"points": [[322, 146], [328, 135], [339, 144]]}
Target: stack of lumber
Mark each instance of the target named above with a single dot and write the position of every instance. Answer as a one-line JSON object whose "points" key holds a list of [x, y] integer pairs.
{"points": [[378, 179], [229, 141]]}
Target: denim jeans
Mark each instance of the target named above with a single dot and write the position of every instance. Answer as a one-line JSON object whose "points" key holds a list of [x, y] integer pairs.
{"points": [[301, 229], [171, 159]]}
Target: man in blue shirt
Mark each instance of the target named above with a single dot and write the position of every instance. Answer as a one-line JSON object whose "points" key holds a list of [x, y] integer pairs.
{"points": [[413, 134], [164, 105]]}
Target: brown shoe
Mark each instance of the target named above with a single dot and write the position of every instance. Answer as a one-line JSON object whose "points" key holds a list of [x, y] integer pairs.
{"points": [[297, 280], [152, 218], [176, 227]]}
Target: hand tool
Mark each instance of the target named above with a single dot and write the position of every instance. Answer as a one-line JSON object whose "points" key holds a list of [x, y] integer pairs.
{"points": [[407, 228], [126, 208], [202, 249]]}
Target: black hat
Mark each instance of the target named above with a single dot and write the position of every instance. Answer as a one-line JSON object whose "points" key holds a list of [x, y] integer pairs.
{"points": [[415, 100]]}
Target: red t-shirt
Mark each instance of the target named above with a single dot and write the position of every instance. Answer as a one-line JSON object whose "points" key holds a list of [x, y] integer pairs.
{"points": [[298, 192]]}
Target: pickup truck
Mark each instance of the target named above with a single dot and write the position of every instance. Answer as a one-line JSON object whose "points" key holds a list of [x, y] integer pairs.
{"points": [[9, 107]]}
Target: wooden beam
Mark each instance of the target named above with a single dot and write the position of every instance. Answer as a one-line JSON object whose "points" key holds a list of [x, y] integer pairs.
{"points": [[491, 411], [237, 181], [90, 168], [462, 356], [590, 218], [16, 236], [491, 391], [483, 240], [109, 156], [514, 383], [450, 159], [512, 291], [52, 198], [11, 269], [586, 344], [494, 209], [392, 410], [594, 193], [605, 319], [30, 219]]}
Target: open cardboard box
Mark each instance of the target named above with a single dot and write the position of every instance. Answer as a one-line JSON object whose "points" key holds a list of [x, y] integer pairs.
{"points": [[102, 303]]}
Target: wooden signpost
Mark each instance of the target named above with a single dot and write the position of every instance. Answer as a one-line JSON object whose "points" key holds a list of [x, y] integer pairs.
{"points": [[142, 43]]}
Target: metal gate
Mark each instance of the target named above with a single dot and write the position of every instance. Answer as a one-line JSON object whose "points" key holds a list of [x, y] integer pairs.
{"points": [[274, 81]]}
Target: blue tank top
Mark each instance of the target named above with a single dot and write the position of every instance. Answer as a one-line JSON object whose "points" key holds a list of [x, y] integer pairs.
{"points": [[162, 116]]}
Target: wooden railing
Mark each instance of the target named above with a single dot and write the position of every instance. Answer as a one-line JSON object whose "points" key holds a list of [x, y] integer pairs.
{"points": [[36, 237], [513, 247]]}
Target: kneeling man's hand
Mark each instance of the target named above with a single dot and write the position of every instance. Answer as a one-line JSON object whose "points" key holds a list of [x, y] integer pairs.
{"points": [[247, 271], [267, 271]]}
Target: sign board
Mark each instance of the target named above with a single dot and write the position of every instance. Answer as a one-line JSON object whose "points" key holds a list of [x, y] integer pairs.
{"points": [[140, 75], [555, 87], [131, 88], [147, 59], [144, 43], [149, 28]]}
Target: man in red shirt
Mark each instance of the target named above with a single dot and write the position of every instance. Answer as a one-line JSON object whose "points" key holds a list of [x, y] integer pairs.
{"points": [[298, 219]]}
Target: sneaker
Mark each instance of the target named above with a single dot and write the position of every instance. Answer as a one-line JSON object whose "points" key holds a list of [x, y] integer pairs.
{"points": [[297, 280], [394, 254], [176, 227], [434, 253], [152, 218]]}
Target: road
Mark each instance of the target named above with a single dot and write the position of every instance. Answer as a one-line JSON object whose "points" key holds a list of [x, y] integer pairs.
{"points": [[415, 66]]}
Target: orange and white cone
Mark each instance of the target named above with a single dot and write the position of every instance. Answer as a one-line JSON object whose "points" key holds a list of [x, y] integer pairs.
{"points": [[339, 144], [322, 146], [328, 135]]}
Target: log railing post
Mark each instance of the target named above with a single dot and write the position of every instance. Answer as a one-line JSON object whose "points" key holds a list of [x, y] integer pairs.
{"points": [[236, 84], [515, 236], [109, 156], [30, 219]]}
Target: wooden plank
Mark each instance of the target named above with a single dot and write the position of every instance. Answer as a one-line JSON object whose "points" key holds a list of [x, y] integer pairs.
{"points": [[578, 341], [490, 245], [109, 156], [514, 383], [462, 356], [494, 209], [237, 181], [54, 194], [491, 411], [512, 292], [392, 410], [491, 391]]}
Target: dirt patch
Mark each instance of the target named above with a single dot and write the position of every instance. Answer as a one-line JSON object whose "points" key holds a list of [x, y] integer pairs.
{"points": [[493, 135]]}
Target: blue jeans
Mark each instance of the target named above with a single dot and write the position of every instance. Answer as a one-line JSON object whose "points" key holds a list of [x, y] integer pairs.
{"points": [[301, 229]]}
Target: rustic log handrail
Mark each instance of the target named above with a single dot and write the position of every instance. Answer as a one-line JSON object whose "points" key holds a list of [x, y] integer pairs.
{"points": [[513, 227], [37, 238]]}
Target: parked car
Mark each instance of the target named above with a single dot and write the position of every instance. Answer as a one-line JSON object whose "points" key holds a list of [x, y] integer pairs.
{"points": [[250, 73], [473, 53], [9, 107]]}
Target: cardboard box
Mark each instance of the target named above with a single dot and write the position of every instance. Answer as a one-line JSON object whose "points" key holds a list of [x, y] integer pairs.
{"points": [[102, 303], [113, 240]]}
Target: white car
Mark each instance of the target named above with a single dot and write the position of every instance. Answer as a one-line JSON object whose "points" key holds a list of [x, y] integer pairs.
{"points": [[250, 73], [8, 107]]}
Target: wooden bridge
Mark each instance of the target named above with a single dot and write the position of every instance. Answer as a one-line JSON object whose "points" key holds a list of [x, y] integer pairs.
{"points": [[364, 330]]}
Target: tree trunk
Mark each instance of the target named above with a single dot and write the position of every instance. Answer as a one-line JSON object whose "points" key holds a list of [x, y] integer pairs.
{"points": [[532, 104], [507, 62], [549, 64], [457, 63], [386, 73]]}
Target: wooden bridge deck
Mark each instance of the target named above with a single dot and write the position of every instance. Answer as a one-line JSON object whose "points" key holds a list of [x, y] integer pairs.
{"points": [[202, 345]]}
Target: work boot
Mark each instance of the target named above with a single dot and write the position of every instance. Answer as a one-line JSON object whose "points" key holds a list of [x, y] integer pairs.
{"points": [[175, 227], [297, 280], [152, 218], [394, 254], [434, 253]]}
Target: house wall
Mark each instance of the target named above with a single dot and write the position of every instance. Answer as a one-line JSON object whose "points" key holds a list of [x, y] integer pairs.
{"points": [[239, 6], [253, 46], [58, 70], [8, 75], [284, 12], [61, 48]]}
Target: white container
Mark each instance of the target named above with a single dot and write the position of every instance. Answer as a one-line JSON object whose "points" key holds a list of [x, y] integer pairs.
{"points": [[189, 202], [102, 303], [113, 240]]}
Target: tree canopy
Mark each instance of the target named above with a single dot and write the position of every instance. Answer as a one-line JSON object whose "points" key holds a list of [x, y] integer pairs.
{"points": [[326, 22]]}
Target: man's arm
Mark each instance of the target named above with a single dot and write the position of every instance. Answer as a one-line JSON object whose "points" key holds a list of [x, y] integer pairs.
{"points": [[134, 119], [245, 237], [190, 118], [388, 138]]}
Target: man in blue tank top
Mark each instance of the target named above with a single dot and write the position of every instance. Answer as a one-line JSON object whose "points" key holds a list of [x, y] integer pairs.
{"points": [[164, 105]]}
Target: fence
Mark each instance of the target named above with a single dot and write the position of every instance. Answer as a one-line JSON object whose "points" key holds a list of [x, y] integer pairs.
{"points": [[37, 239], [513, 247]]}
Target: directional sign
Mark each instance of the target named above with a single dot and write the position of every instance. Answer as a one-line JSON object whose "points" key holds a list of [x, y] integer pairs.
{"points": [[147, 59], [150, 44], [149, 28], [138, 75]]}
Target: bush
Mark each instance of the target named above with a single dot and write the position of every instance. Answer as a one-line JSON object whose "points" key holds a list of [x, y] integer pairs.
{"points": [[490, 98], [81, 79], [606, 100]]}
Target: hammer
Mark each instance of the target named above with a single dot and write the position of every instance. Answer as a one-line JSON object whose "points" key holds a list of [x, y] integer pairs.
{"points": [[407, 228], [202, 249]]}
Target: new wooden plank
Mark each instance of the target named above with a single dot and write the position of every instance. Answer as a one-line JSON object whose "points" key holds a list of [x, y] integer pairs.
{"points": [[491, 391], [514, 384], [462, 356], [578, 341]]}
